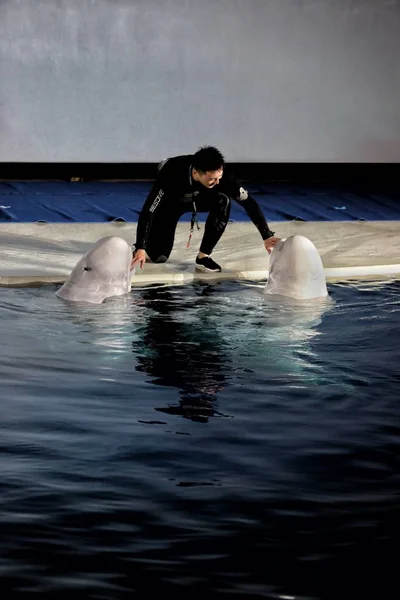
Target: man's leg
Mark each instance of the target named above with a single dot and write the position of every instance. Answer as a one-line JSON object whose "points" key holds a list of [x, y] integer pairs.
{"points": [[217, 220]]}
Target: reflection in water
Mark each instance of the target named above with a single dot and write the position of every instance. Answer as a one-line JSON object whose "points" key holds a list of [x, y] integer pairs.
{"points": [[296, 495], [197, 340], [181, 348]]}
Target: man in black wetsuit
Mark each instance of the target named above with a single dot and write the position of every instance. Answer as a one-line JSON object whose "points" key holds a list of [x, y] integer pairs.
{"points": [[193, 183]]}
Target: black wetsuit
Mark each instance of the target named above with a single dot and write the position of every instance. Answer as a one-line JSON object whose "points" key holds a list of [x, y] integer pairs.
{"points": [[174, 193]]}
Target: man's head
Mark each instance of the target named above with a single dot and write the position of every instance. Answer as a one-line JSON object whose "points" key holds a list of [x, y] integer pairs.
{"points": [[208, 166]]}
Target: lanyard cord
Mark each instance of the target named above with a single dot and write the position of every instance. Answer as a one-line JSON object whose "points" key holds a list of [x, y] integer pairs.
{"points": [[194, 221]]}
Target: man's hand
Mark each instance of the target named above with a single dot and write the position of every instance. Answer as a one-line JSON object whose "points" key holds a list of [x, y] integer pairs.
{"points": [[270, 243], [139, 258]]}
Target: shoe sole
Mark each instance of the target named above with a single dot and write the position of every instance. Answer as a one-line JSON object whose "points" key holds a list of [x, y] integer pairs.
{"points": [[205, 270]]}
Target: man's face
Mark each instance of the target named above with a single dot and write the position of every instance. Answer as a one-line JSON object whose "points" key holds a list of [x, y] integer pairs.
{"points": [[209, 178]]}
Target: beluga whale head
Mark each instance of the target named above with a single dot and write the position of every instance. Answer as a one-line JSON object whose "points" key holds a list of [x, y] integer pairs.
{"points": [[104, 271], [296, 270]]}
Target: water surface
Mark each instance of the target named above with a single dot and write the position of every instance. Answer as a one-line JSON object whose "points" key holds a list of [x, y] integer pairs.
{"points": [[200, 439]]}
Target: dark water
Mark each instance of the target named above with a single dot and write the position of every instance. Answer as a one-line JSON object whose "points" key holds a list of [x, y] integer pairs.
{"points": [[199, 440]]}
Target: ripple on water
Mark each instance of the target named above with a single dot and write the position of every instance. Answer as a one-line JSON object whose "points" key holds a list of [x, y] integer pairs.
{"points": [[200, 436]]}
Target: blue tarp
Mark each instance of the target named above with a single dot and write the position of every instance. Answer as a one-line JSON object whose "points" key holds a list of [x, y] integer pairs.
{"points": [[96, 202]]}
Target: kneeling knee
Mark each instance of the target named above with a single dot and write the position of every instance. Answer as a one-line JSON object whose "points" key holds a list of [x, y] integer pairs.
{"points": [[224, 202], [161, 259]]}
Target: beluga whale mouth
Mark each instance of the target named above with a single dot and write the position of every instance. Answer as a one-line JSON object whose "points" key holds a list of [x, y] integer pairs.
{"points": [[104, 271]]}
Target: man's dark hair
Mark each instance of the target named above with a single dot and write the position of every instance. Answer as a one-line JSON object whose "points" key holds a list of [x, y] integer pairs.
{"points": [[208, 158]]}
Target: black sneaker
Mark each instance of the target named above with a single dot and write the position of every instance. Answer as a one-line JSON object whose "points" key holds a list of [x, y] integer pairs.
{"points": [[207, 264]]}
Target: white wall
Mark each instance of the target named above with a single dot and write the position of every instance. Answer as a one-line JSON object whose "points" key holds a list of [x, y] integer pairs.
{"points": [[137, 80]]}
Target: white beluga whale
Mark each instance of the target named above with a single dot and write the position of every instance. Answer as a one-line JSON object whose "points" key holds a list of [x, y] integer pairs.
{"points": [[104, 271], [278, 322], [296, 270]]}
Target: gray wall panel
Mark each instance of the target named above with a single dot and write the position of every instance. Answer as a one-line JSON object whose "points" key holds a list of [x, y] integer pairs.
{"points": [[265, 80]]}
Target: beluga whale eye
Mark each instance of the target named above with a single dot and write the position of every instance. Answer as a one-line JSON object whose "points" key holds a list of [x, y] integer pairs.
{"points": [[87, 268]]}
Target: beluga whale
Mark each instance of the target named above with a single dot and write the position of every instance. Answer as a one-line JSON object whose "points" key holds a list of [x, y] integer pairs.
{"points": [[104, 271], [296, 270]]}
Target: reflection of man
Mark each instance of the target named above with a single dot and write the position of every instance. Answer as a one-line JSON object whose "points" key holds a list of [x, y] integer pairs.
{"points": [[185, 356], [193, 183]]}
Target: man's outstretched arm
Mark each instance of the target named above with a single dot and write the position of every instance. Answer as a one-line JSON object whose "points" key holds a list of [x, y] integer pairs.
{"points": [[255, 213]]}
